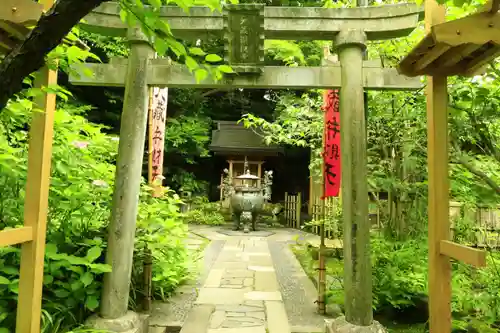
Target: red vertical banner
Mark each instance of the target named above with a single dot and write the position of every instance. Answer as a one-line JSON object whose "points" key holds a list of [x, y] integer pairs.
{"points": [[331, 149]]}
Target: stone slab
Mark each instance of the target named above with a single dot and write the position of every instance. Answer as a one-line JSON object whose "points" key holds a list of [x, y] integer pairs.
{"points": [[221, 296], [261, 268], [198, 319], [258, 233], [277, 319], [214, 278], [266, 281], [263, 296], [255, 329]]}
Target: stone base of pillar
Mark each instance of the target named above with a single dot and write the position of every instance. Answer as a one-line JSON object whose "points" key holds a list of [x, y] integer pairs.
{"points": [[131, 322], [341, 325]]}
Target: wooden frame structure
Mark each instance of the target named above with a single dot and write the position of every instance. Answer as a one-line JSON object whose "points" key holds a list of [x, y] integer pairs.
{"points": [[17, 18], [459, 47]]}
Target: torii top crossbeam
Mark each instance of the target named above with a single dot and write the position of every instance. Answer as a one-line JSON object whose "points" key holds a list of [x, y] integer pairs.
{"points": [[297, 23]]}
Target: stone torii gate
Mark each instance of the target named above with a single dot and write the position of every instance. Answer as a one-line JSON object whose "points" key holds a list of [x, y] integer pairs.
{"points": [[244, 28]]}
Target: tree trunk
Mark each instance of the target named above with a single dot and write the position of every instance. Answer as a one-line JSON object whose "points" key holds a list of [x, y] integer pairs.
{"points": [[29, 56]]}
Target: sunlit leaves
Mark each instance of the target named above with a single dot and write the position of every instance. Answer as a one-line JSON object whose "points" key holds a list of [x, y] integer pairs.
{"points": [[196, 51], [201, 74], [212, 58]]}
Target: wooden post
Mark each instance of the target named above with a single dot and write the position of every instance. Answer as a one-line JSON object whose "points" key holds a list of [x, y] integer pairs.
{"points": [[259, 173], [121, 235], [357, 261], [298, 209], [285, 208], [438, 201], [230, 169], [36, 204]]}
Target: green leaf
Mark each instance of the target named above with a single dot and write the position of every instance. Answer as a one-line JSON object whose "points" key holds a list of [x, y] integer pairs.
{"points": [[200, 74], [100, 268], [48, 279], [197, 51], [92, 302], [123, 15], [191, 63], [76, 285], [213, 58], [61, 293], [161, 46], [9, 270], [225, 69], [4, 330], [176, 47], [4, 280], [155, 3], [87, 278], [93, 253]]}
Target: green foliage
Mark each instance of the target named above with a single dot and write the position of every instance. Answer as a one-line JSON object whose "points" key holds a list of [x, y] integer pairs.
{"points": [[399, 272], [188, 136], [79, 207], [160, 232], [204, 212]]}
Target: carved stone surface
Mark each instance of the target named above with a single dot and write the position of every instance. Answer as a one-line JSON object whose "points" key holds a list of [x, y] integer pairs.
{"points": [[244, 37]]}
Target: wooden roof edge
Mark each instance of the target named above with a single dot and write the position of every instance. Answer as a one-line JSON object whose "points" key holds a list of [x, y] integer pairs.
{"points": [[452, 48]]}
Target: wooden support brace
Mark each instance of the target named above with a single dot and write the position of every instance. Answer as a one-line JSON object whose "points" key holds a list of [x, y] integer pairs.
{"points": [[474, 257], [479, 62], [16, 236], [431, 56], [458, 55]]}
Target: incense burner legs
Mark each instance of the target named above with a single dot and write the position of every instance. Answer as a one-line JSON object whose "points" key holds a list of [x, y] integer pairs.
{"points": [[237, 217], [246, 202]]}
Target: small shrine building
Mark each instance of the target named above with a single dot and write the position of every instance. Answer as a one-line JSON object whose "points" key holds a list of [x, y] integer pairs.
{"points": [[233, 142]]}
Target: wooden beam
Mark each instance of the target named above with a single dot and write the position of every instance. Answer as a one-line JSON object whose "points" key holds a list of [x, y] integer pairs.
{"points": [[438, 201], [20, 11], [16, 236], [36, 204], [468, 255], [477, 28]]}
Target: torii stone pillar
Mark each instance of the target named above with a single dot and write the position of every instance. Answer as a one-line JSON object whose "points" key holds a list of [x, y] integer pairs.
{"points": [[357, 266], [121, 231]]}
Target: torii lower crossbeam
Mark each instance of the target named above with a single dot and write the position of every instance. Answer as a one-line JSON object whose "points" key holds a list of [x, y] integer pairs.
{"points": [[164, 74]]}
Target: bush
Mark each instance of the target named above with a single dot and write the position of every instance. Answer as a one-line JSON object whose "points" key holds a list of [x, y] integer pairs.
{"points": [[79, 208], [400, 285], [205, 212]]}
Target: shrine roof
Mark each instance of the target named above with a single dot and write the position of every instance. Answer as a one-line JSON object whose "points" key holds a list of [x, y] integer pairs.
{"points": [[233, 138]]}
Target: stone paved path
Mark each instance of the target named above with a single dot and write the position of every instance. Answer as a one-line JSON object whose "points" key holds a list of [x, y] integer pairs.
{"points": [[243, 288], [251, 283]]}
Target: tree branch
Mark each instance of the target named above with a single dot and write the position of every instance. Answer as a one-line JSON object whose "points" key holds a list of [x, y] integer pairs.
{"points": [[484, 177], [29, 56], [460, 158]]}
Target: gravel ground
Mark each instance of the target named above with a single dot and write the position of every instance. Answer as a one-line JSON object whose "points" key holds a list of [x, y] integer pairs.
{"points": [[298, 291]]}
